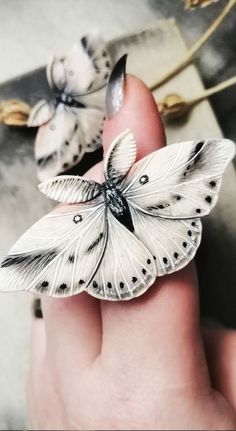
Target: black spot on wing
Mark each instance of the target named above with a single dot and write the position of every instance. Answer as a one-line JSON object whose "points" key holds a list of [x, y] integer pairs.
{"points": [[27, 259], [195, 157], [208, 199], [63, 286], [212, 183], [197, 152], [84, 42], [159, 206], [90, 86], [62, 289], [43, 161], [95, 243]]}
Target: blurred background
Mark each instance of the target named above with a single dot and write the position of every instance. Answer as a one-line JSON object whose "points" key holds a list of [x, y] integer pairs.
{"points": [[30, 31]]}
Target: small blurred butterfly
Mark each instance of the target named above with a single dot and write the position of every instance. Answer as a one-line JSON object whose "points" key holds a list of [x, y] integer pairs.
{"points": [[71, 121], [113, 239]]}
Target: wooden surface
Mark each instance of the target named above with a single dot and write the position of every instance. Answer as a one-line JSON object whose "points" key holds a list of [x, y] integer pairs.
{"points": [[150, 53]]}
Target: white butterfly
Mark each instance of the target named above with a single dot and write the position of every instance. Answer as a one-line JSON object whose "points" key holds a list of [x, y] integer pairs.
{"points": [[113, 239], [71, 122]]}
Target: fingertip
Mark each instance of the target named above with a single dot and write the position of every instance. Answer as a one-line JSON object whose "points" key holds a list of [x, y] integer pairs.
{"points": [[138, 113]]}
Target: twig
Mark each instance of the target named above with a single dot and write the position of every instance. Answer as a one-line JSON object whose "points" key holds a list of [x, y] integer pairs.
{"points": [[192, 51], [210, 91]]}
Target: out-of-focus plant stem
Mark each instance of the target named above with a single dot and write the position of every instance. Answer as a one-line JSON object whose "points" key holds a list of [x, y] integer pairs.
{"points": [[192, 51]]}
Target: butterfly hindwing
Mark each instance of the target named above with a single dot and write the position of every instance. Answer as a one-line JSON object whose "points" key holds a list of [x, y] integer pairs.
{"points": [[90, 122], [59, 144], [58, 255], [173, 243], [179, 181], [127, 269]]}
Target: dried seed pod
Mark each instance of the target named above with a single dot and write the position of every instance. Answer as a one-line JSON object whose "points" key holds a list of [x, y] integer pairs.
{"points": [[14, 112], [192, 4], [173, 106]]}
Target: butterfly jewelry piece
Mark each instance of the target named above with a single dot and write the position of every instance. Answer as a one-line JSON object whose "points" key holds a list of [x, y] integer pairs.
{"points": [[71, 121], [113, 239]]}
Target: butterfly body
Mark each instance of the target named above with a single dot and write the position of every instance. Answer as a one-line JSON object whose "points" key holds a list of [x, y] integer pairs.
{"points": [[117, 204], [115, 238], [67, 100]]}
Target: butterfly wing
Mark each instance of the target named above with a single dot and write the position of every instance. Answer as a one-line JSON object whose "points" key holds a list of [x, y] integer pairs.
{"points": [[59, 144], [127, 269], [168, 190], [60, 253], [41, 113], [173, 243], [179, 181], [90, 122], [87, 66], [70, 189], [56, 74], [120, 157]]}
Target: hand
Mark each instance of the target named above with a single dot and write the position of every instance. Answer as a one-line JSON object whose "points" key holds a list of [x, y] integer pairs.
{"points": [[138, 364]]}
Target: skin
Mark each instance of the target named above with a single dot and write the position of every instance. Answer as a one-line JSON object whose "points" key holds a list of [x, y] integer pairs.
{"points": [[141, 364]]}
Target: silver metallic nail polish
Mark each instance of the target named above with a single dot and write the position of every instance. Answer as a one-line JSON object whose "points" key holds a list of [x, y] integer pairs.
{"points": [[115, 87]]}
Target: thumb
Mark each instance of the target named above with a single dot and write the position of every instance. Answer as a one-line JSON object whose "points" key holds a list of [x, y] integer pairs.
{"points": [[162, 326]]}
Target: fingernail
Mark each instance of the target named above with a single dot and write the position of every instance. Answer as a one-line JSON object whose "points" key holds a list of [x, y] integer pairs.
{"points": [[37, 310], [116, 87]]}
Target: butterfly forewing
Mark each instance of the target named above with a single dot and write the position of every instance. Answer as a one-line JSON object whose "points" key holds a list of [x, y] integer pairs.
{"points": [[179, 181], [87, 66]]}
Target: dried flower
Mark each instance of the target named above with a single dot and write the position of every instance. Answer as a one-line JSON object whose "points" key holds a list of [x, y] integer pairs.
{"points": [[175, 106], [192, 4], [14, 112], [172, 106]]}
